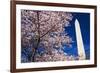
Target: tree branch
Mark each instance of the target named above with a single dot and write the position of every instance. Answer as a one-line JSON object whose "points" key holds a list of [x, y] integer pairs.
{"points": [[47, 31]]}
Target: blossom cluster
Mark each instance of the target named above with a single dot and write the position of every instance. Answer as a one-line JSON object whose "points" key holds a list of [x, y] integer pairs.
{"points": [[45, 29]]}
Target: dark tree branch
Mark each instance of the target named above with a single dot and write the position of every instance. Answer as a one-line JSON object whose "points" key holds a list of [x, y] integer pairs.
{"points": [[47, 32], [38, 23], [37, 40]]}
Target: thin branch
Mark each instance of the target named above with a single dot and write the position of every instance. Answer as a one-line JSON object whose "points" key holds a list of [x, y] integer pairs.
{"points": [[47, 31], [38, 23]]}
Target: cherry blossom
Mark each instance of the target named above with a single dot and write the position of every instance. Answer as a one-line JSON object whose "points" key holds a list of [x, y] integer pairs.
{"points": [[45, 29]]}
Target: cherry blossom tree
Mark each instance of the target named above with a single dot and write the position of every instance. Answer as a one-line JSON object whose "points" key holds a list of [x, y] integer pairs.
{"points": [[44, 30]]}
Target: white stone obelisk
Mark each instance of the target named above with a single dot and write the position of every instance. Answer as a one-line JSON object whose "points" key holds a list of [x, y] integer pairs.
{"points": [[80, 46]]}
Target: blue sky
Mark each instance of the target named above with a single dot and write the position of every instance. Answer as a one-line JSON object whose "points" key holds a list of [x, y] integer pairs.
{"points": [[84, 20]]}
